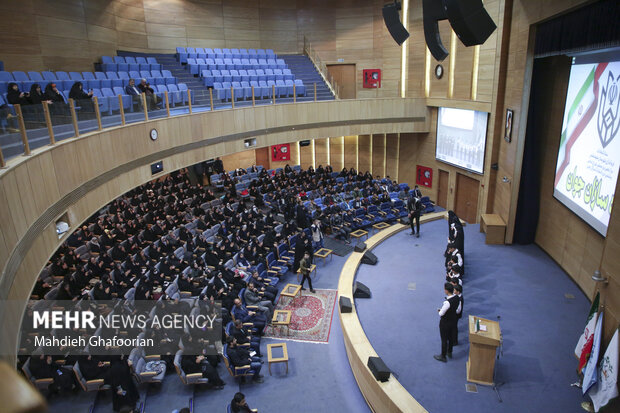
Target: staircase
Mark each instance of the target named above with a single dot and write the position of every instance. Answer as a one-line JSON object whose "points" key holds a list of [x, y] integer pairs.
{"points": [[303, 68]]}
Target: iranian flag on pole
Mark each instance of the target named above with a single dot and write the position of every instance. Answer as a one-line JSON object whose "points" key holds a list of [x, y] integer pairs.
{"points": [[607, 386], [584, 345]]}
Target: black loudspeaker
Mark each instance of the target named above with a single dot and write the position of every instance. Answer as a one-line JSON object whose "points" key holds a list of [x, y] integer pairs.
{"points": [[369, 258], [393, 24], [360, 247], [360, 290], [378, 369], [433, 12], [405, 221], [470, 21], [345, 305], [304, 143]]}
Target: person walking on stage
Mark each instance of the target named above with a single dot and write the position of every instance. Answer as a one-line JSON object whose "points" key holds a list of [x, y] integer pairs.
{"points": [[304, 267], [447, 322], [414, 206]]}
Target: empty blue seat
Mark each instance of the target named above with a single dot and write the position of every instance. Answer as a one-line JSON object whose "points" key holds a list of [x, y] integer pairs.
{"points": [[243, 52], [191, 52], [113, 77], [158, 78], [235, 53], [269, 74], [181, 55], [288, 74], [153, 63], [281, 64], [229, 63], [245, 63], [221, 92], [267, 87], [121, 64], [183, 89], [64, 81], [271, 63], [75, 76], [103, 80], [252, 75], [270, 52], [261, 53], [235, 76], [263, 63], [207, 78], [226, 76], [260, 92], [217, 76], [247, 90], [174, 95], [36, 77], [107, 64], [244, 75], [144, 65], [278, 74], [300, 89], [260, 73], [219, 64], [281, 88], [126, 98], [210, 53], [252, 53], [210, 63], [227, 54], [239, 91]]}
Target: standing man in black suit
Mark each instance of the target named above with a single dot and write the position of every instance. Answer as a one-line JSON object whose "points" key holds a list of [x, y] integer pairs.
{"points": [[447, 322], [414, 206]]}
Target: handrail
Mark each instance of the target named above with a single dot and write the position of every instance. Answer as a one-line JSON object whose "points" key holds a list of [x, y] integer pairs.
{"points": [[321, 67]]}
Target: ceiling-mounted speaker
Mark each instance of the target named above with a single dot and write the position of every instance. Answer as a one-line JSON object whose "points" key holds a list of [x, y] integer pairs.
{"points": [[391, 17], [433, 12], [469, 20]]}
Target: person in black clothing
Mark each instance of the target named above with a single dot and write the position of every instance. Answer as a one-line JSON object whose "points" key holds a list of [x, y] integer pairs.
{"points": [[198, 364], [124, 390], [239, 405], [14, 96], [414, 206], [447, 322], [43, 367], [58, 107], [244, 336], [241, 357], [151, 97], [83, 100], [36, 95], [458, 290]]}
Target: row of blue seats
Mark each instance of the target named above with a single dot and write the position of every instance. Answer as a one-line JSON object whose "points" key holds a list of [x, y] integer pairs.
{"points": [[108, 97], [199, 52], [196, 66], [262, 89], [212, 76], [90, 80], [124, 64]]}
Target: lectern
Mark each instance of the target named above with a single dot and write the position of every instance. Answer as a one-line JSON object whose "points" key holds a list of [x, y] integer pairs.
{"points": [[482, 349]]}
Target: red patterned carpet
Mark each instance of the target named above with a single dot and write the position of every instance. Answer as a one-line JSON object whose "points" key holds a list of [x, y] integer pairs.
{"points": [[311, 317]]}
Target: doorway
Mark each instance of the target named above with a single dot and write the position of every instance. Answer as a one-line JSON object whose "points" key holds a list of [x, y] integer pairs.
{"points": [[262, 157], [344, 76], [443, 188], [466, 198]]}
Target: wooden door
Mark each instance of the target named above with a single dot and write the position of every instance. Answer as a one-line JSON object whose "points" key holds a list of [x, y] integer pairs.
{"points": [[443, 188], [262, 157], [344, 76], [466, 198]]}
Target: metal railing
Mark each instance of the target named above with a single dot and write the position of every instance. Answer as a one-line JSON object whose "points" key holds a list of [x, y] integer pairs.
{"points": [[321, 67], [27, 127]]}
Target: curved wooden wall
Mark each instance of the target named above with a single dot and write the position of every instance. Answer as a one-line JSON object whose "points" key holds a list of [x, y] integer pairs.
{"points": [[78, 176], [389, 396]]}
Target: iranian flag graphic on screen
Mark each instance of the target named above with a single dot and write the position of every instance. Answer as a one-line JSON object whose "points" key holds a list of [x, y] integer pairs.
{"points": [[589, 153]]}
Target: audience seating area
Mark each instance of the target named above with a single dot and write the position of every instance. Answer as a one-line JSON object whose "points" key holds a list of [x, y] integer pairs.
{"points": [[173, 241]]}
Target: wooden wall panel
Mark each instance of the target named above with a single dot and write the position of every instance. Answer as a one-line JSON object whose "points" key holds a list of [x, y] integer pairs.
{"points": [[350, 152], [336, 153], [439, 87], [391, 155], [306, 156], [364, 153], [378, 155], [417, 51], [320, 152]]}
